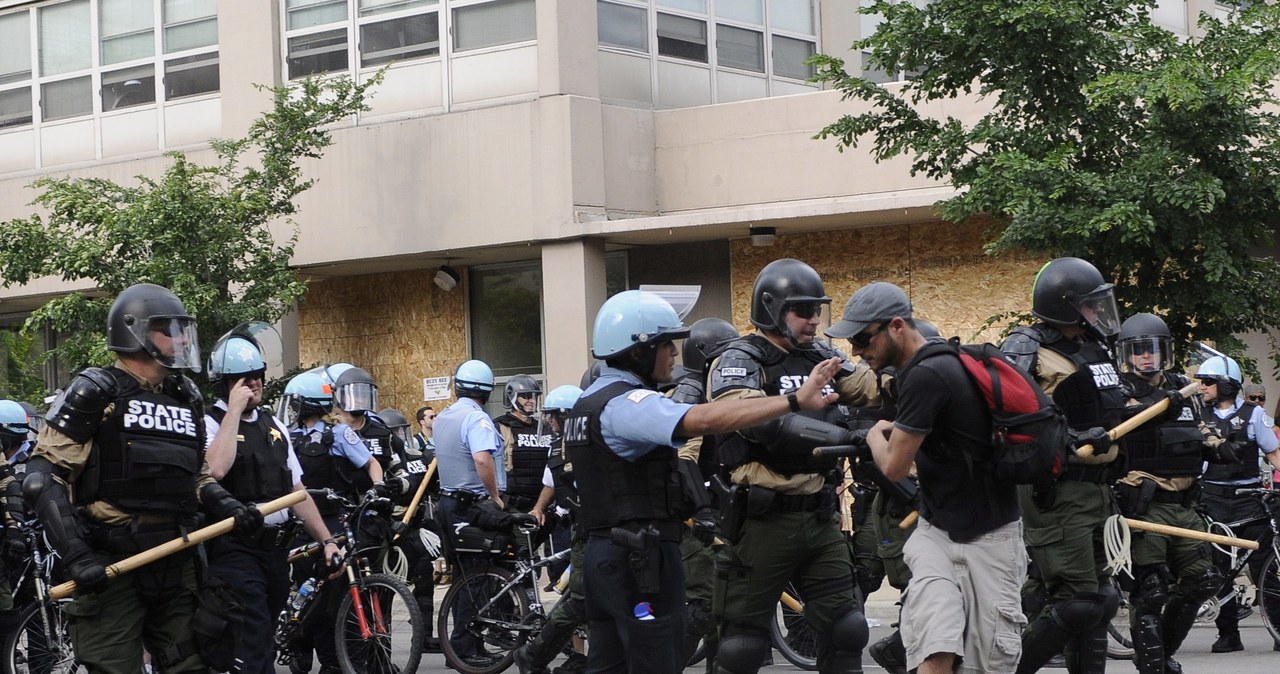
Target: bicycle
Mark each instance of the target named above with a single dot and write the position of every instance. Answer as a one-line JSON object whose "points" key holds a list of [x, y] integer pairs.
{"points": [[39, 642], [505, 593], [379, 627]]}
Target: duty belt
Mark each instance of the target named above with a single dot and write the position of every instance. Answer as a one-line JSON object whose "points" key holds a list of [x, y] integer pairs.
{"points": [[1226, 489], [667, 531], [1185, 497], [519, 502], [1082, 473], [792, 503]]}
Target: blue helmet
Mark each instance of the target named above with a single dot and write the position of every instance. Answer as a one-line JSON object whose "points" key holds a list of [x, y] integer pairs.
{"points": [[235, 356], [1220, 368], [631, 318], [332, 372], [561, 398], [307, 394], [473, 379], [13, 421]]}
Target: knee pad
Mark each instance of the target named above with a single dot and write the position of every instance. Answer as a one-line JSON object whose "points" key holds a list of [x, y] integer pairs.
{"points": [[1204, 585], [849, 633], [1110, 601], [1152, 591], [1080, 613], [741, 652]]}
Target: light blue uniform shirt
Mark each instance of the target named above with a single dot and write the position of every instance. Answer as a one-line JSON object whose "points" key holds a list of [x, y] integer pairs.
{"points": [[462, 430], [347, 446], [638, 422], [1258, 429]]}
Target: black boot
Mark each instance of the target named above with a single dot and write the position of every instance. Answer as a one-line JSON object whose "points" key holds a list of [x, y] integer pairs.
{"points": [[1228, 624], [890, 653], [1087, 654], [1227, 643], [1042, 640]]}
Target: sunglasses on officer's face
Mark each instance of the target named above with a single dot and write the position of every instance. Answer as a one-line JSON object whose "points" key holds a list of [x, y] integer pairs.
{"points": [[525, 396], [1256, 399], [806, 310]]}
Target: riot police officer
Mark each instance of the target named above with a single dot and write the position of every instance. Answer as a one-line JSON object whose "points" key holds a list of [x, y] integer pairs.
{"points": [[622, 437], [13, 546], [1246, 426], [526, 448], [783, 492], [251, 455], [129, 438], [1067, 354], [1172, 576], [355, 397]]}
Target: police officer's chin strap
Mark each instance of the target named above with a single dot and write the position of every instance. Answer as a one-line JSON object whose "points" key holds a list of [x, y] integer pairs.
{"points": [[797, 434], [49, 499]]}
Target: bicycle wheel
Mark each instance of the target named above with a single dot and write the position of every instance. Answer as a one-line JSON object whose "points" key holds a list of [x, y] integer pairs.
{"points": [[1119, 641], [381, 634], [500, 624], [1269, 596], [40, 642], [793, 636]]}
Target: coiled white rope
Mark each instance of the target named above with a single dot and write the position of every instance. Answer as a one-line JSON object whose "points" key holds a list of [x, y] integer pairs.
{"points": [[399, 567], [1116, 540]]}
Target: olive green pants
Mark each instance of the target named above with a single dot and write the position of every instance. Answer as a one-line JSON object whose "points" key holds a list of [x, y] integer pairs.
{"points": [[1065, 540], [885, 519], [1185, 557]]}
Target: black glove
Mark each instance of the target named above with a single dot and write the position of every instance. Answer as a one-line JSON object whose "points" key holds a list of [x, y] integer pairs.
{"points": [[1097, 436], [704, 526], [1223, 452], [14, 548], [1176, 404], [396, 486], [89, 573], [248, 520]]}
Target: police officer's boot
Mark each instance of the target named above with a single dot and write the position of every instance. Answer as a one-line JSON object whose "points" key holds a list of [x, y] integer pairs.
{"points": [[1228, 623], [1087, 654], [1043, 639]]}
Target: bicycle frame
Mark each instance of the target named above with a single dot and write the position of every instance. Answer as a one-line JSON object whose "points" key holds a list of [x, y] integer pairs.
{"points": [[1269, 518], [524, 573]]}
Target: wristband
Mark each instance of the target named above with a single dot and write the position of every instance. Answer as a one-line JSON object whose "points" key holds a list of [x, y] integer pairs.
{"points": [[332, 539], [793, 401]]}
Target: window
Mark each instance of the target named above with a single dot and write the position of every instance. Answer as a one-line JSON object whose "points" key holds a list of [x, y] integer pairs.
{"points": [[66, 98], [383, 41], [506, 317], [189, 24], [789, 56], [493, 23], [15, 69], [740, 48], [682, 37], [623, 26], [126, 30], [191, 75], [128, 87], [319, 34]]}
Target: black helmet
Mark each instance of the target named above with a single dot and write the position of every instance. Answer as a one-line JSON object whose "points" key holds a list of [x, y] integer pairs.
{"points": [[591, 374], [1144, 335], [143, 309], [1071, 291], [706, 339], [781, 285], [521, 383], [397, 422], [355, 391]]}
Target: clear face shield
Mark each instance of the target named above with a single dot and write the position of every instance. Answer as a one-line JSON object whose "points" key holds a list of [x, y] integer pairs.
{"points": [[528, 402], [549, 421], [1146, 355], [1099, 309], [356, 397], [288, 409], [403, 433], [171, 341]]}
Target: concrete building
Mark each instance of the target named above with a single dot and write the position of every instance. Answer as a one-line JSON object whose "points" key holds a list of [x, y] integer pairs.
{"points": [[547, 152]]}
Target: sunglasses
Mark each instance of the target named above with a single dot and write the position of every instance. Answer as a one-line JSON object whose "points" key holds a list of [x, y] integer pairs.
{"points": [[1256, 399], [863, 339], [806, 310], [1208, 382], [525, 396], [1144, 349]]}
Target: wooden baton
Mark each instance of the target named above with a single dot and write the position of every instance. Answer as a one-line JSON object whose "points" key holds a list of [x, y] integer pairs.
{"points": [[417, 496], [1190, 533], [194, 538], [1140, 418]]}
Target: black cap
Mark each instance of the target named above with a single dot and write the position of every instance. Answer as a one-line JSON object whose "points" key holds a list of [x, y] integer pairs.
{"points": [[879, 301]]}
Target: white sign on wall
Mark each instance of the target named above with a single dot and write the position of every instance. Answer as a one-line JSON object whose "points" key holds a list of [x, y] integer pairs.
{"points": [[435, 388]]}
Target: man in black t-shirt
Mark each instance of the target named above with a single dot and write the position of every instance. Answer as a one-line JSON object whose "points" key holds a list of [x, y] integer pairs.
{"points": [[961, 611]]}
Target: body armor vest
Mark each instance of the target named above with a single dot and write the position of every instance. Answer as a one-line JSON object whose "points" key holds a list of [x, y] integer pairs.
{"points": [[779, 376], [261, 469], [1236, 429], [1164, 448], [528, 452], [319, 467], [616, 491], [147, 454], [691, 390], [376, 437], [1091, 396]]}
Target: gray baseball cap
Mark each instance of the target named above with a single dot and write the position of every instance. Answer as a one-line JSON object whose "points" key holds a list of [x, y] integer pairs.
{"points": [[879, 301]]}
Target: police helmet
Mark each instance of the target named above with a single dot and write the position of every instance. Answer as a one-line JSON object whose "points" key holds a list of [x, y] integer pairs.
{"points": [[1070, 291], [308, 394], [779, 287], [521, 383], [473, 379], [34, 419], [1145, 344], [236, 357], [707, 337], [561, 398], [144, 312], [1223, 371], [397, 422], [591, 374], [634, 318], [13, 422], [354, 391]]}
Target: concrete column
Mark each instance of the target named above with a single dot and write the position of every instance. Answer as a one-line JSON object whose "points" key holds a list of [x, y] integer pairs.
{"points": [[249, 53], [839, 26], [567, 48], [573, 288]]}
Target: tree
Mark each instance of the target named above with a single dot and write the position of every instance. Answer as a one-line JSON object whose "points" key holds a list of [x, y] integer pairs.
{"points": [[1107, 138], [201, 231]]}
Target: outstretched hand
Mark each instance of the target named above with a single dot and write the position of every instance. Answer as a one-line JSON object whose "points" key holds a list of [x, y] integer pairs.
{"points": [[810, 395]]}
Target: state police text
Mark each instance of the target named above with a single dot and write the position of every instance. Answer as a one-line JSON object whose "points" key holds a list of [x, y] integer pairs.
{"points": [[152, 417]]}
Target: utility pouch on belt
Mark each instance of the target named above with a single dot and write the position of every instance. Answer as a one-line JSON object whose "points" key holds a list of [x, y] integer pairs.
{"points": [[759, 501], [214, 625], [1134, 501], [733, 512], [644, 557]]}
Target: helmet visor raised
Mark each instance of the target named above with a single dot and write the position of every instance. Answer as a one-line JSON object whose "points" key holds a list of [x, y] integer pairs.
{"points": [[1098, 308], [171, 340]]}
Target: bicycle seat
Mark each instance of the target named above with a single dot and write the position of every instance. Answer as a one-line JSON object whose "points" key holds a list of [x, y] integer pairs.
{"points": [[520, 519]]}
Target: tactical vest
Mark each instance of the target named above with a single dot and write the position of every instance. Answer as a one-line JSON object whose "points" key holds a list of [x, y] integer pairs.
{"points": [[319, 467], [780, 375], [147, 454], [528, 452], [377, 437], [1091, 396], [691, 390], [562, 475], [1164, 448], [1236, 429], [261, 469], [616, 491]]}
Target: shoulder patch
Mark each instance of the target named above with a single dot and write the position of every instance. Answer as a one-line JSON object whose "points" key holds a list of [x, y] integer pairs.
{"points": [[733, 371], [351, 436], [640, 394]]}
